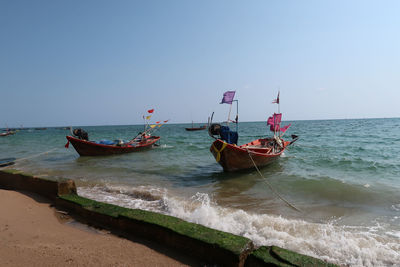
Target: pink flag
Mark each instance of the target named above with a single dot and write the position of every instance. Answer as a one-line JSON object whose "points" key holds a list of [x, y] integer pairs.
{"points": [[284, 128], [275, 119], [276, 101], [274, 122]]}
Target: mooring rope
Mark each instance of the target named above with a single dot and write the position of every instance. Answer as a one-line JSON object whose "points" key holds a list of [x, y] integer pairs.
{"points": [[36, 155], [270, 186]]}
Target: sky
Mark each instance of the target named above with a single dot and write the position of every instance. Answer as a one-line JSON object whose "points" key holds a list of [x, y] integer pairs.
{"points": [[76, 63]]}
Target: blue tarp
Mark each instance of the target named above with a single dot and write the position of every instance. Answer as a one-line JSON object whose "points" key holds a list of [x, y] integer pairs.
{"points": [[229, 136], [106, 142]]}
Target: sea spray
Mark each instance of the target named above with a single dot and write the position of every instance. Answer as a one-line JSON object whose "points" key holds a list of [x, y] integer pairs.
{"points": [[353, 246]]}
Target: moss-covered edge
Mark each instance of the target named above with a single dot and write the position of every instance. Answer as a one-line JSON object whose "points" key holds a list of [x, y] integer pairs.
{"points": [[263, 256], [233, 243], [276, 256]]}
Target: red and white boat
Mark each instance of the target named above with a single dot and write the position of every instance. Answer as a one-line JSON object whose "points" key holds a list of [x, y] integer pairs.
{"points": [[255, 154]]}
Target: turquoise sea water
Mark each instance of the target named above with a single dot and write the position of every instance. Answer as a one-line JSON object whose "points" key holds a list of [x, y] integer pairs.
{"points": [[344, 176]]}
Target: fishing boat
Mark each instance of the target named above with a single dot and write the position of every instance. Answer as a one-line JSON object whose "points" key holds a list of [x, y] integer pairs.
{"points": [[103, 148], [255, 154], [7, 133], [196, 128], [143, 141]]}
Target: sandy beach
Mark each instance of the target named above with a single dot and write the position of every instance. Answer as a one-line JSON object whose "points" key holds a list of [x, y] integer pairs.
{"points": [[33, 233]]}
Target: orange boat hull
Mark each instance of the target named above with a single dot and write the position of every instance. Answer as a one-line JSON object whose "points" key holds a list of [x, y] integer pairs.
{"points": [[235, 158]]}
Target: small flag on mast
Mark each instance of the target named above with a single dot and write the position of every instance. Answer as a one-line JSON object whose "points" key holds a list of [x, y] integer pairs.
{"points": [[150, 110], [276, 101], [228, 97]]}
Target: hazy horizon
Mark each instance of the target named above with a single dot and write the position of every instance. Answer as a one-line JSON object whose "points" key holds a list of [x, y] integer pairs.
{"points": [[186, 123]]}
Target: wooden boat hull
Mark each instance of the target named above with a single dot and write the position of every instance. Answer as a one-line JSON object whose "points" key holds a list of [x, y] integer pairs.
{"points": [[196, 129], [235, 158], [90, 148]]}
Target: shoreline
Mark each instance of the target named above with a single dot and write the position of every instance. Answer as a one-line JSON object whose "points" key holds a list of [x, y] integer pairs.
{"points": [[190, 243], [34, 233]]}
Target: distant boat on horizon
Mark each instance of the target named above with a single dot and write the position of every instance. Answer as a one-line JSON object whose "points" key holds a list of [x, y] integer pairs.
{"points": [[196, 128]]}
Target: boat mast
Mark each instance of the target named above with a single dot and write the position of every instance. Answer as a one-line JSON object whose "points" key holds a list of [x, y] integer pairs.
{"points": [[237, 115], [229, 114], [279, 110]]}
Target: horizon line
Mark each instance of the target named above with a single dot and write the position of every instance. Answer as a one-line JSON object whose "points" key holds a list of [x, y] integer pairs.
{"points": [[99, 125]]}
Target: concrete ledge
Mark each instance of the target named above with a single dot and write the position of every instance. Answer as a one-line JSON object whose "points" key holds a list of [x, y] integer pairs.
{"points": [[276, 256], [16, 180], [193, 239], [212, 246]]}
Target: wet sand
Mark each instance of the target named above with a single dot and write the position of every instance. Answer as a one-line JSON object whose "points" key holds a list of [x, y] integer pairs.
{"points": [[33, 233]]}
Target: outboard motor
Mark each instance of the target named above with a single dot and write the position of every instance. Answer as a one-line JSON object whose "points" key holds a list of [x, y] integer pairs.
{"points": [[81, 134], [214, 129]]}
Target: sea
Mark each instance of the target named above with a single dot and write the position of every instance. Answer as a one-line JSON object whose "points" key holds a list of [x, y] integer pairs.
{"points": [[343, 176]]}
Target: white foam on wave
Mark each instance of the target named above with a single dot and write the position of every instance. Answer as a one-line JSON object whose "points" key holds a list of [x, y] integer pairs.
{"points": [[337, 244], [126, 197], [165, 146], [394, 234], [325, 241], [396, 207]]}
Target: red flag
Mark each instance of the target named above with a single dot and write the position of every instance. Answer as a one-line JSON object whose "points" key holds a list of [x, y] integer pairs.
{"points": [[276, 101], [150, 110], [158, 121], [166, 121]]}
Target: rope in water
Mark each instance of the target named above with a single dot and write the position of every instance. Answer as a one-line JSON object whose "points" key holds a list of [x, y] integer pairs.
{"points": [[36, 155], [270, 186]]}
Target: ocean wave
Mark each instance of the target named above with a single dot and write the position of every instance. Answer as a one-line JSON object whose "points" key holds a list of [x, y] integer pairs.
{"points": [[353, 246], [325, 189], [142, 197], [326, 241], [163, 146], [396, 207]]}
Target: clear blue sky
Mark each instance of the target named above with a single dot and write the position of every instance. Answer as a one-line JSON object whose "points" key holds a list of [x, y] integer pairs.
{"points": [[107, 62]]}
